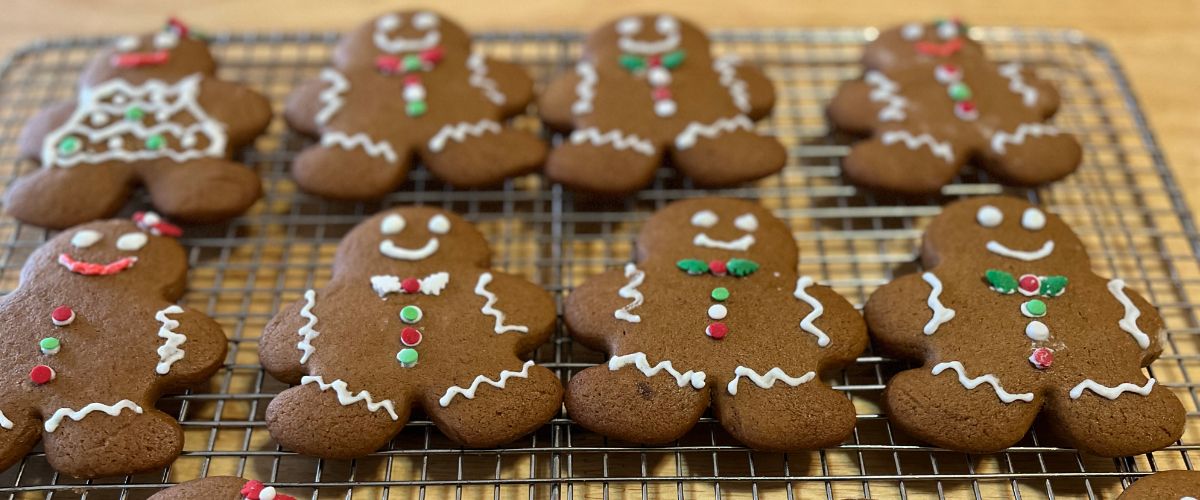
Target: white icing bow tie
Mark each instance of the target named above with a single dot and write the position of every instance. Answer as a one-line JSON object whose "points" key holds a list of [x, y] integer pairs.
{"points": [[429, 285]]}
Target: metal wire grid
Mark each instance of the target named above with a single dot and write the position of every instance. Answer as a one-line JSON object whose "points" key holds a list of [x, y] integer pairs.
{"points": [[1123, 202]]}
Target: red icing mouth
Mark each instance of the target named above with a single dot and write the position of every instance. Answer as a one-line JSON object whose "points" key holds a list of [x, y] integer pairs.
{"points": [[945, 49], [92, 269], [139, 59]]}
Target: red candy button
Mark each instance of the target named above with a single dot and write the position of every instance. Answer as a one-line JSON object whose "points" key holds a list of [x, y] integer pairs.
{"points": [[1042, 358], [717, 267], [252, 489], [411, 285], [410, 336], [41, 374], [1029, 283], [412, 80], [717, 330], [660, 93], [62, 316]]}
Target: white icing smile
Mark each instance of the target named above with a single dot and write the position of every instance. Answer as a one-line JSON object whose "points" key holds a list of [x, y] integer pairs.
{"points": [[396, 44], [390, 249], [744, 243], [999, 249], [666, 26]]}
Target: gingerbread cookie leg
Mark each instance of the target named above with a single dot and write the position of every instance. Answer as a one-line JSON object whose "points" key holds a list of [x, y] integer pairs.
{"points": [[904, 162], [474, 413], [19, 432], [118, 436], [189, 191], [481, 153], [1032, 153], [629, 159], [598, 398], [726, 151], [759, 406], [58, 197], [327, 417], [1149, 416], [351, 166]]}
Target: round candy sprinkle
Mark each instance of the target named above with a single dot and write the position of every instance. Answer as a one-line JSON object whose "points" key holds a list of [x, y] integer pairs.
{"points": [[947, 73], [414, 93], [717, 330], [959, 91], [1042, 358], [41, 374], [134, 114], [717, 311], [665, 107], [62, 316], [1037, 330], [410, 285], [70, 145], [717, 267], [966, 110], [412, 62], [415, 108], [155, 142], [1029, 284], [411, 314], [720, 293], [1034, 308], [49, 346], [410, 336], [407, 357]]}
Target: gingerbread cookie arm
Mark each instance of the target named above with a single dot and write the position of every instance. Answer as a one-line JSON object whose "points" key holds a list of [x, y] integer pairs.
{"points": [[854, 110], [314, 102], [555, 102], [287, 340], [191, 348], [33, 136], [1035, 92], [511, 87], [604, 306], [244, 112], [19, 432], [750, 89], [188, 191], [833, 323], [515, 306], [903, 313]]}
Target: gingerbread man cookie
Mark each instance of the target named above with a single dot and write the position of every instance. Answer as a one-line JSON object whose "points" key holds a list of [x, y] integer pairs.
{"points": [[1171, 484], [221, 488], [407, 83], [647, 86], [412, 317], [714, 314], [932, 102], [150, 112], [90, 339], [1011, 322]]}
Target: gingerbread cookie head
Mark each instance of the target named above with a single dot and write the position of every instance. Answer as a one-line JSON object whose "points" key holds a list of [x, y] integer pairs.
{"points": [[387, 39], [141, 254], [172, 53], [718, 230], [1005, 233], [412, 238], [937, 42], [632, 39]]}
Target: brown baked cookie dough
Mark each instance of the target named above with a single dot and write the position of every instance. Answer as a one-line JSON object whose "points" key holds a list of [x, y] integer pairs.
{"points": [[1171, 484], [150, 112], [712, 313], [407, 84], [90, 340], [1011, 323], [413, 316], [221, 488], [648, 87], [931, 102]]}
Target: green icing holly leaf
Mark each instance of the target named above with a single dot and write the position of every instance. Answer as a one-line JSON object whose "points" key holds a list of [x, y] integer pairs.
{"points": [[1001, 281], [1053, 286], [673, 59], [631, 62], [692, 266], [741, 267]]}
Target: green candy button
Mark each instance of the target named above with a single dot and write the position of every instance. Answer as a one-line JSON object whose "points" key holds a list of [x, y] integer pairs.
{"points": [[1035, 308], [412, 63], [155, 142], [960, 91], [134, 114], [416, 108], [407, 357], [70, 145], [411, 314], [49, 344], [720, 293]]}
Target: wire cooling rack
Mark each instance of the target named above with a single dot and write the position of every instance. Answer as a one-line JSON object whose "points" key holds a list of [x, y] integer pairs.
{"points": [[1123, 202]]}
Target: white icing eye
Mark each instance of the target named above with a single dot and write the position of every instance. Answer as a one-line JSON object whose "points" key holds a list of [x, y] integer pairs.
{"points": [[132, 242], [165, 40], [388, 22], [1033, 219], [704, 218], [439, 224], [85, 238], [629, 26], [666, 25], [746, 222], [127, 43], [912, 31], [989, 216], [947, 30], [425, 20], [392, 224]]}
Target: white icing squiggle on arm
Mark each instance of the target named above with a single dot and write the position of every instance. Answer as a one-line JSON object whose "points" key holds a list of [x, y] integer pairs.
{"points": [[939, 149], [1016, 84], [479, 79], [1129, 322], [331, 97], [169, 352], [307, 331], [5, 423], [1111, 392], [585, 90], [372, 148], [884, 89], [639, 361], [941, 313], [971, 383], [766, 380], [806, 324], [55, 420], [459, 132], [347, 398], [498, 383], [488, 309], [726, 67], [630, 291]]}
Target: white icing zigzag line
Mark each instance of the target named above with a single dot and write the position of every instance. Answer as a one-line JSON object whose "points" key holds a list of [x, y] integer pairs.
{"points": [[941, 313], [687, 138], [5, 423], [1111, 392], [806, 324], [482, 291], [347, 398], [585, 90], [55, 420], [630, 291], [727, 68], [884, 90], [153, 97], [939, 149], [1129, 322], [1012, 71], [768, 379], [469, 392], [615, 138], [307, 332], [331, 97], [373, 149], [480, 80], [971, 383], [430, 285], [1000, 138], [638, 360], [169, 352], [458, 132]]}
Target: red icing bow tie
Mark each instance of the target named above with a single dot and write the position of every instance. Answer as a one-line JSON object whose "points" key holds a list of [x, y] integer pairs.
{"points": [[156, 225], [945, 49], [139, 59], [423, 60]]}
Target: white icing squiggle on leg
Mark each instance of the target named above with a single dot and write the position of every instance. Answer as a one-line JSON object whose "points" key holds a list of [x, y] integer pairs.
{"points": [[806, 324], [479, 79], [1128, 323], [639, 361], [694, 130], [347, 398], [766, 380], [331, 97], [1111, 392], [498, 383], [459, 132], [169, 352], [726, 68], [884, 90], [971, 383], [614, 138], [55, 420], [941, 313], [307, 331], [5, 423], [489, 309], [940, 149], [585, 90], [372, 148], [1001, 138], [630, 291]]}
